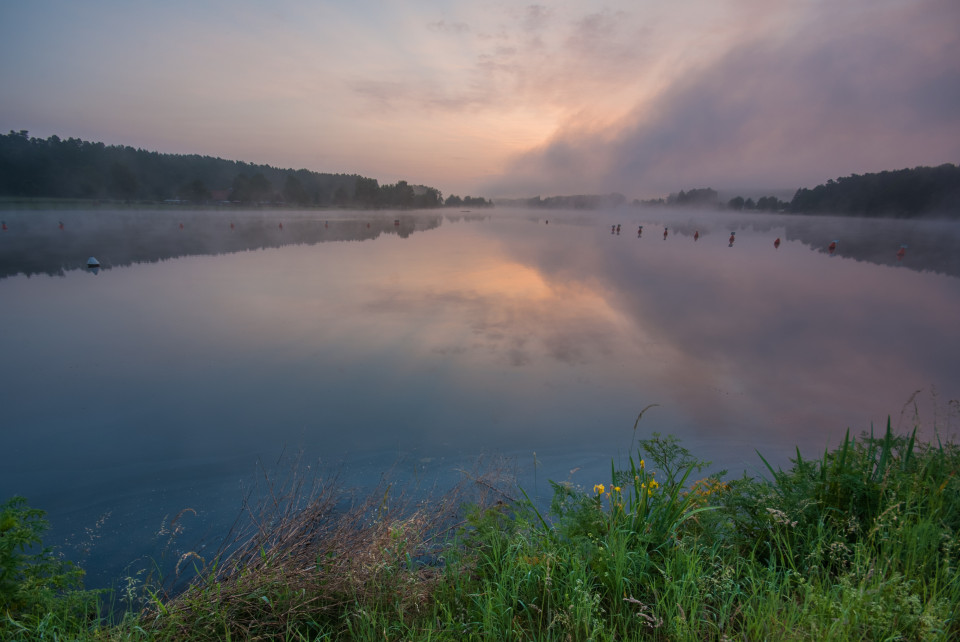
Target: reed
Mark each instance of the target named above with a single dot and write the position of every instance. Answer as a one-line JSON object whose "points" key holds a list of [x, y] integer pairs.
{"points": [[860, 543]]}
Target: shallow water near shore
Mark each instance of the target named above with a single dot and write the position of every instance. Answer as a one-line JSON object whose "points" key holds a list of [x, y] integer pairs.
{"points": [[213, 345]]}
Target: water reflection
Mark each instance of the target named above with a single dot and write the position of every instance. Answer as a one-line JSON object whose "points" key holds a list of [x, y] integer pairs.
{"points": [[41, 243], [158, 386]]}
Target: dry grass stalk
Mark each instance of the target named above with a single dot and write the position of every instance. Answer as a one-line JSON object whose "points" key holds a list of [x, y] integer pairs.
{"points": [[307, 550]]}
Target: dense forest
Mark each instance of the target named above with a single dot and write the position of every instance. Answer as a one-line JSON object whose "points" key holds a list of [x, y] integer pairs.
{"points": [[904, 193], [77, 169], [573, 202]]}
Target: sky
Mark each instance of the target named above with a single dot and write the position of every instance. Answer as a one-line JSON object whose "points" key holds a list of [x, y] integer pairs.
{"points": [[500, 98]]}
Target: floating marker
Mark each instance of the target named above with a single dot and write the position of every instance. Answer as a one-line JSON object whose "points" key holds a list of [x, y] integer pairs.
{"points": [[733, 237], [776, 244], [696, 235], [665, 230], [901, 252], [832, 247], [4, 224]]}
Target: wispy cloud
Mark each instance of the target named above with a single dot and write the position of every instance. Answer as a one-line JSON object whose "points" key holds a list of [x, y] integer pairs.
{"points": [[864, 92], [638, 97], [449, 27]]}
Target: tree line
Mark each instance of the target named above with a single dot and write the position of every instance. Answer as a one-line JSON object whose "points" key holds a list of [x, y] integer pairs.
{"points": [[903, 193], [32, 167]]}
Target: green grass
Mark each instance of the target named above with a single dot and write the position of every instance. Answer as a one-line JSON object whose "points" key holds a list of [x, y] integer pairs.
{"points": [[859, 544]]}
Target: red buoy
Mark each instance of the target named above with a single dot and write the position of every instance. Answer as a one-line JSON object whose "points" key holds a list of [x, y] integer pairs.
{"points": [[665, 233], [776, 244], [696, 235]]}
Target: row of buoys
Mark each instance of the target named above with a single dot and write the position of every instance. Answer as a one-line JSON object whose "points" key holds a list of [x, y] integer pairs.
{"points": [[614, 229], [831, 248]]}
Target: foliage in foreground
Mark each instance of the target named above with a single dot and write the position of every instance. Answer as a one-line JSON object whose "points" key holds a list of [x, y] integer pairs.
{"points": [[861, 543]]}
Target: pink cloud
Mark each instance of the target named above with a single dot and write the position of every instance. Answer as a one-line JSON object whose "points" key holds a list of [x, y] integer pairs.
{"points": [[865, 93]]}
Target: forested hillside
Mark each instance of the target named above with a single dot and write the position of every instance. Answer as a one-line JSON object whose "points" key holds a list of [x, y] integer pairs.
{"points": [[77, 169], [901, 193]]}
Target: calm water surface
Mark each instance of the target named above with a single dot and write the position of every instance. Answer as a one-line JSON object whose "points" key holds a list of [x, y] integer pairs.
{"points": [[160, 382]]}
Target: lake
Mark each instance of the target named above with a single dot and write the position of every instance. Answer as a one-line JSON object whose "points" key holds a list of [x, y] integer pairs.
{"points": [[213, 345]]}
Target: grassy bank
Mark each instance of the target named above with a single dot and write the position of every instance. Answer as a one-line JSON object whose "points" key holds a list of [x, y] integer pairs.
{"points": [[861, 543]]}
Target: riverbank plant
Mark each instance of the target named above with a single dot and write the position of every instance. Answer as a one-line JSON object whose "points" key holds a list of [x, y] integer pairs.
{"points": [[860, 543]]}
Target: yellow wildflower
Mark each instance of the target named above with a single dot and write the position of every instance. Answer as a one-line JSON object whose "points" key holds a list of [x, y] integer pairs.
{"points": [[641, 464], [616, 489], [599, 488], [653, 484]]}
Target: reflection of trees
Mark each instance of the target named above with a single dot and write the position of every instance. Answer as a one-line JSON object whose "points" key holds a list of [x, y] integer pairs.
{"points": [[931, 247], [36, 245]]}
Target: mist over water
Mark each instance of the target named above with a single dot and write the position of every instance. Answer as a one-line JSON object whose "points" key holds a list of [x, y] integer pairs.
{"points": [[420, 340]]}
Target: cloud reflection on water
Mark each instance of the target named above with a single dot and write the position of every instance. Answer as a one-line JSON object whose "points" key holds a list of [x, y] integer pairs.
{"points": [[158, 383], [782, 342]]}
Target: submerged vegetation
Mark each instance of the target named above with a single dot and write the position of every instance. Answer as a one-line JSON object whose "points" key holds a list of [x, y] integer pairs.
{"points": [[861, 543]]}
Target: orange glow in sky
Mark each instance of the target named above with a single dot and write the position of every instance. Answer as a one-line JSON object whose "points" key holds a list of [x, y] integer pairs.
{"points": [[499, 97]]}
